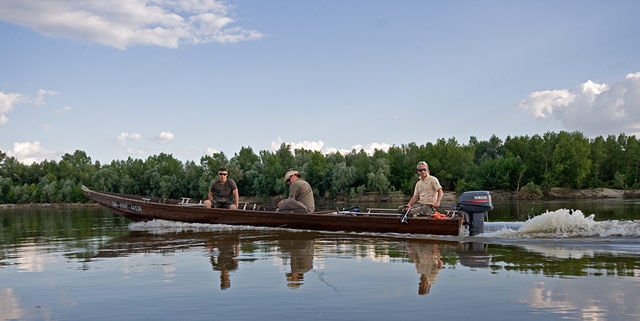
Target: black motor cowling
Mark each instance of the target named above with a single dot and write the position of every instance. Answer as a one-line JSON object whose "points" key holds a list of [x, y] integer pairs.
{"points": [[475, 205]]}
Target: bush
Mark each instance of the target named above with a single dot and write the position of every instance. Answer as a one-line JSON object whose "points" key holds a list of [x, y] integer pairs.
{"points": [[530, 191]]}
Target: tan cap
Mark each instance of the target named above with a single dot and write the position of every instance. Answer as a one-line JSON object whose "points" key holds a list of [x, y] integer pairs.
{"points": [[289, 174]]}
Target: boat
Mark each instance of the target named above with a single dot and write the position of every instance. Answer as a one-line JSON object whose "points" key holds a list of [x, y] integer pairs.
{"points": [[143, 208]]}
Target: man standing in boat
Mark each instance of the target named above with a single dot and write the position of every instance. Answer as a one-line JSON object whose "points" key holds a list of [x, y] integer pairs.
{"points": [[300, 195], [225, 191], [426, 195]]}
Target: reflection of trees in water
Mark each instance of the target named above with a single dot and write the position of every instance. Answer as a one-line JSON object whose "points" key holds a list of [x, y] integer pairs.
{"points": [[81, 227], [548, 261], [428, 261]]}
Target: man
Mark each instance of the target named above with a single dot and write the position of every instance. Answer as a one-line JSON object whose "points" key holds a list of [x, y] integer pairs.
{"points": [[300, 195], [426, 195], [225, 191]]}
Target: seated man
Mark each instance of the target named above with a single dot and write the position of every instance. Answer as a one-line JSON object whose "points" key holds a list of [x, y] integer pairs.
{"points": [[300, 195], [225, 191], [426, 195]]}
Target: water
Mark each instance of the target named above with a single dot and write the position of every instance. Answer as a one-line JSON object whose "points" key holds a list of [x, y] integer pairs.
{"points": [[78, 264]]}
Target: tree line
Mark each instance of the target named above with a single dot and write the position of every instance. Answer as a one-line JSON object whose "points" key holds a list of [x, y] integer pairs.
{"points": [[528, 164]]}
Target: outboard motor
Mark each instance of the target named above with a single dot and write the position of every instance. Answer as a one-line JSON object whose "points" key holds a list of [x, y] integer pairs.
{"points": [[475, 205]]}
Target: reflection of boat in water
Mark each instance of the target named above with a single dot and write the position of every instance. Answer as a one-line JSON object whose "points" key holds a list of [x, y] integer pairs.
{"points": [[224, 248], [229, 250], [140, 208]]}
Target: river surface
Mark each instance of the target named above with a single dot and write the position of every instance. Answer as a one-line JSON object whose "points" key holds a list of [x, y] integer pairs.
{"points": [[536, 261]]}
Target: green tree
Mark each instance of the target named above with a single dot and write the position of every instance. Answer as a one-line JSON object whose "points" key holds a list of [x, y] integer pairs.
{"points": [[343, 179], [315, 170], [105, 180], [571, 164]]}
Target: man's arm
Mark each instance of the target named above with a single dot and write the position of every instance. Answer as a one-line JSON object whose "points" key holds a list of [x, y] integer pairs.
{"points": [[413, 199], [440, 194], [236, 197]]}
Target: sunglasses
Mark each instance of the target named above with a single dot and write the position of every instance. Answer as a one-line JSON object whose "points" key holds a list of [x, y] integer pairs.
{"points": [[223, 174], [422, 169]]}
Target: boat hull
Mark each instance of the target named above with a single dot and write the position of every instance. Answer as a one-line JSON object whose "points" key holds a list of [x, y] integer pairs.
{"points": [[140, 208]]}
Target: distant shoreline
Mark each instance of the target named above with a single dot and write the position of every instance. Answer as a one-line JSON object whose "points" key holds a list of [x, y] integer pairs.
{"points": [[555, 193]]}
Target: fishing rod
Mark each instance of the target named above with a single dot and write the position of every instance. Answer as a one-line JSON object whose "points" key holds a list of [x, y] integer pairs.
{"points": [[405, 218]]}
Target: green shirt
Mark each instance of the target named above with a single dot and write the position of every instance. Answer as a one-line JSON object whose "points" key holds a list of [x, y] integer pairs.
{"points": [[301, 191], [223, 193]]}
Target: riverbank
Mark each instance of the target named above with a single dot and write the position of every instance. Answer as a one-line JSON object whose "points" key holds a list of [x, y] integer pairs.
{"points": [[556, 193]]}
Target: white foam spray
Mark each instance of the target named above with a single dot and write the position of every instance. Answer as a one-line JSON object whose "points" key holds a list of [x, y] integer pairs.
{"points": [[564, 223], [167, 227]]}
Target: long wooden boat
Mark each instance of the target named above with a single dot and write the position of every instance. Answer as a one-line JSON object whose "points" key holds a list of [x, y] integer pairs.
{"points": [[141, 208]]}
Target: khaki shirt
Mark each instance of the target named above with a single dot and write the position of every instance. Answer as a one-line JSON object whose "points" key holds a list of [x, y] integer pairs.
{"points": [[427, 190], [301, 191]]}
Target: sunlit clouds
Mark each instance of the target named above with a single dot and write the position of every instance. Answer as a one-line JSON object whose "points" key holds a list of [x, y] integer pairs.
{"points": [[63, 109], [163, 137], [125, 23], [319, 146], [592, 108], [39, 99], [7, 104], [124, 137], [30, 152], [9, 101]]}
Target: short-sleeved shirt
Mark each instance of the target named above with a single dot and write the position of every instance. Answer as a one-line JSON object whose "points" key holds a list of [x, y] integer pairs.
{"points": [[427, 190], [223, 193], [302, 192]]}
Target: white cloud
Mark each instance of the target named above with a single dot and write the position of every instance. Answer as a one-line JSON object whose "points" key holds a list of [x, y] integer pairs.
{"points": [[595, 109], [39, 100], [371, 147], [309, 145], [333, 150], [164, 137], [7, 104], [125, 23], [318, 146], [30, 152], [124, 136], [138, 152], [10, 100], [211, 151], [63, 109], [540, 104]]}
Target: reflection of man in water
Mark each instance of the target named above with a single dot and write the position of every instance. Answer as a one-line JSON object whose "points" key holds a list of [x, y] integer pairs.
{"points": [[428, 261], [300, 253], [228, 250]]}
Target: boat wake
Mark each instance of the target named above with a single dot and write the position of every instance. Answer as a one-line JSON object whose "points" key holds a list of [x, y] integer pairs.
{"points": [[164, 227], [565, 223]]}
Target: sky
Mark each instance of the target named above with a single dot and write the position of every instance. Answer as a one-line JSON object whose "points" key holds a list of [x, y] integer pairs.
{"points": [[135, 78]]}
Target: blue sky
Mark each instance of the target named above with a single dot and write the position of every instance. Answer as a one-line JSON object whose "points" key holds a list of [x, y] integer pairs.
{"points": [[136, 78]]}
